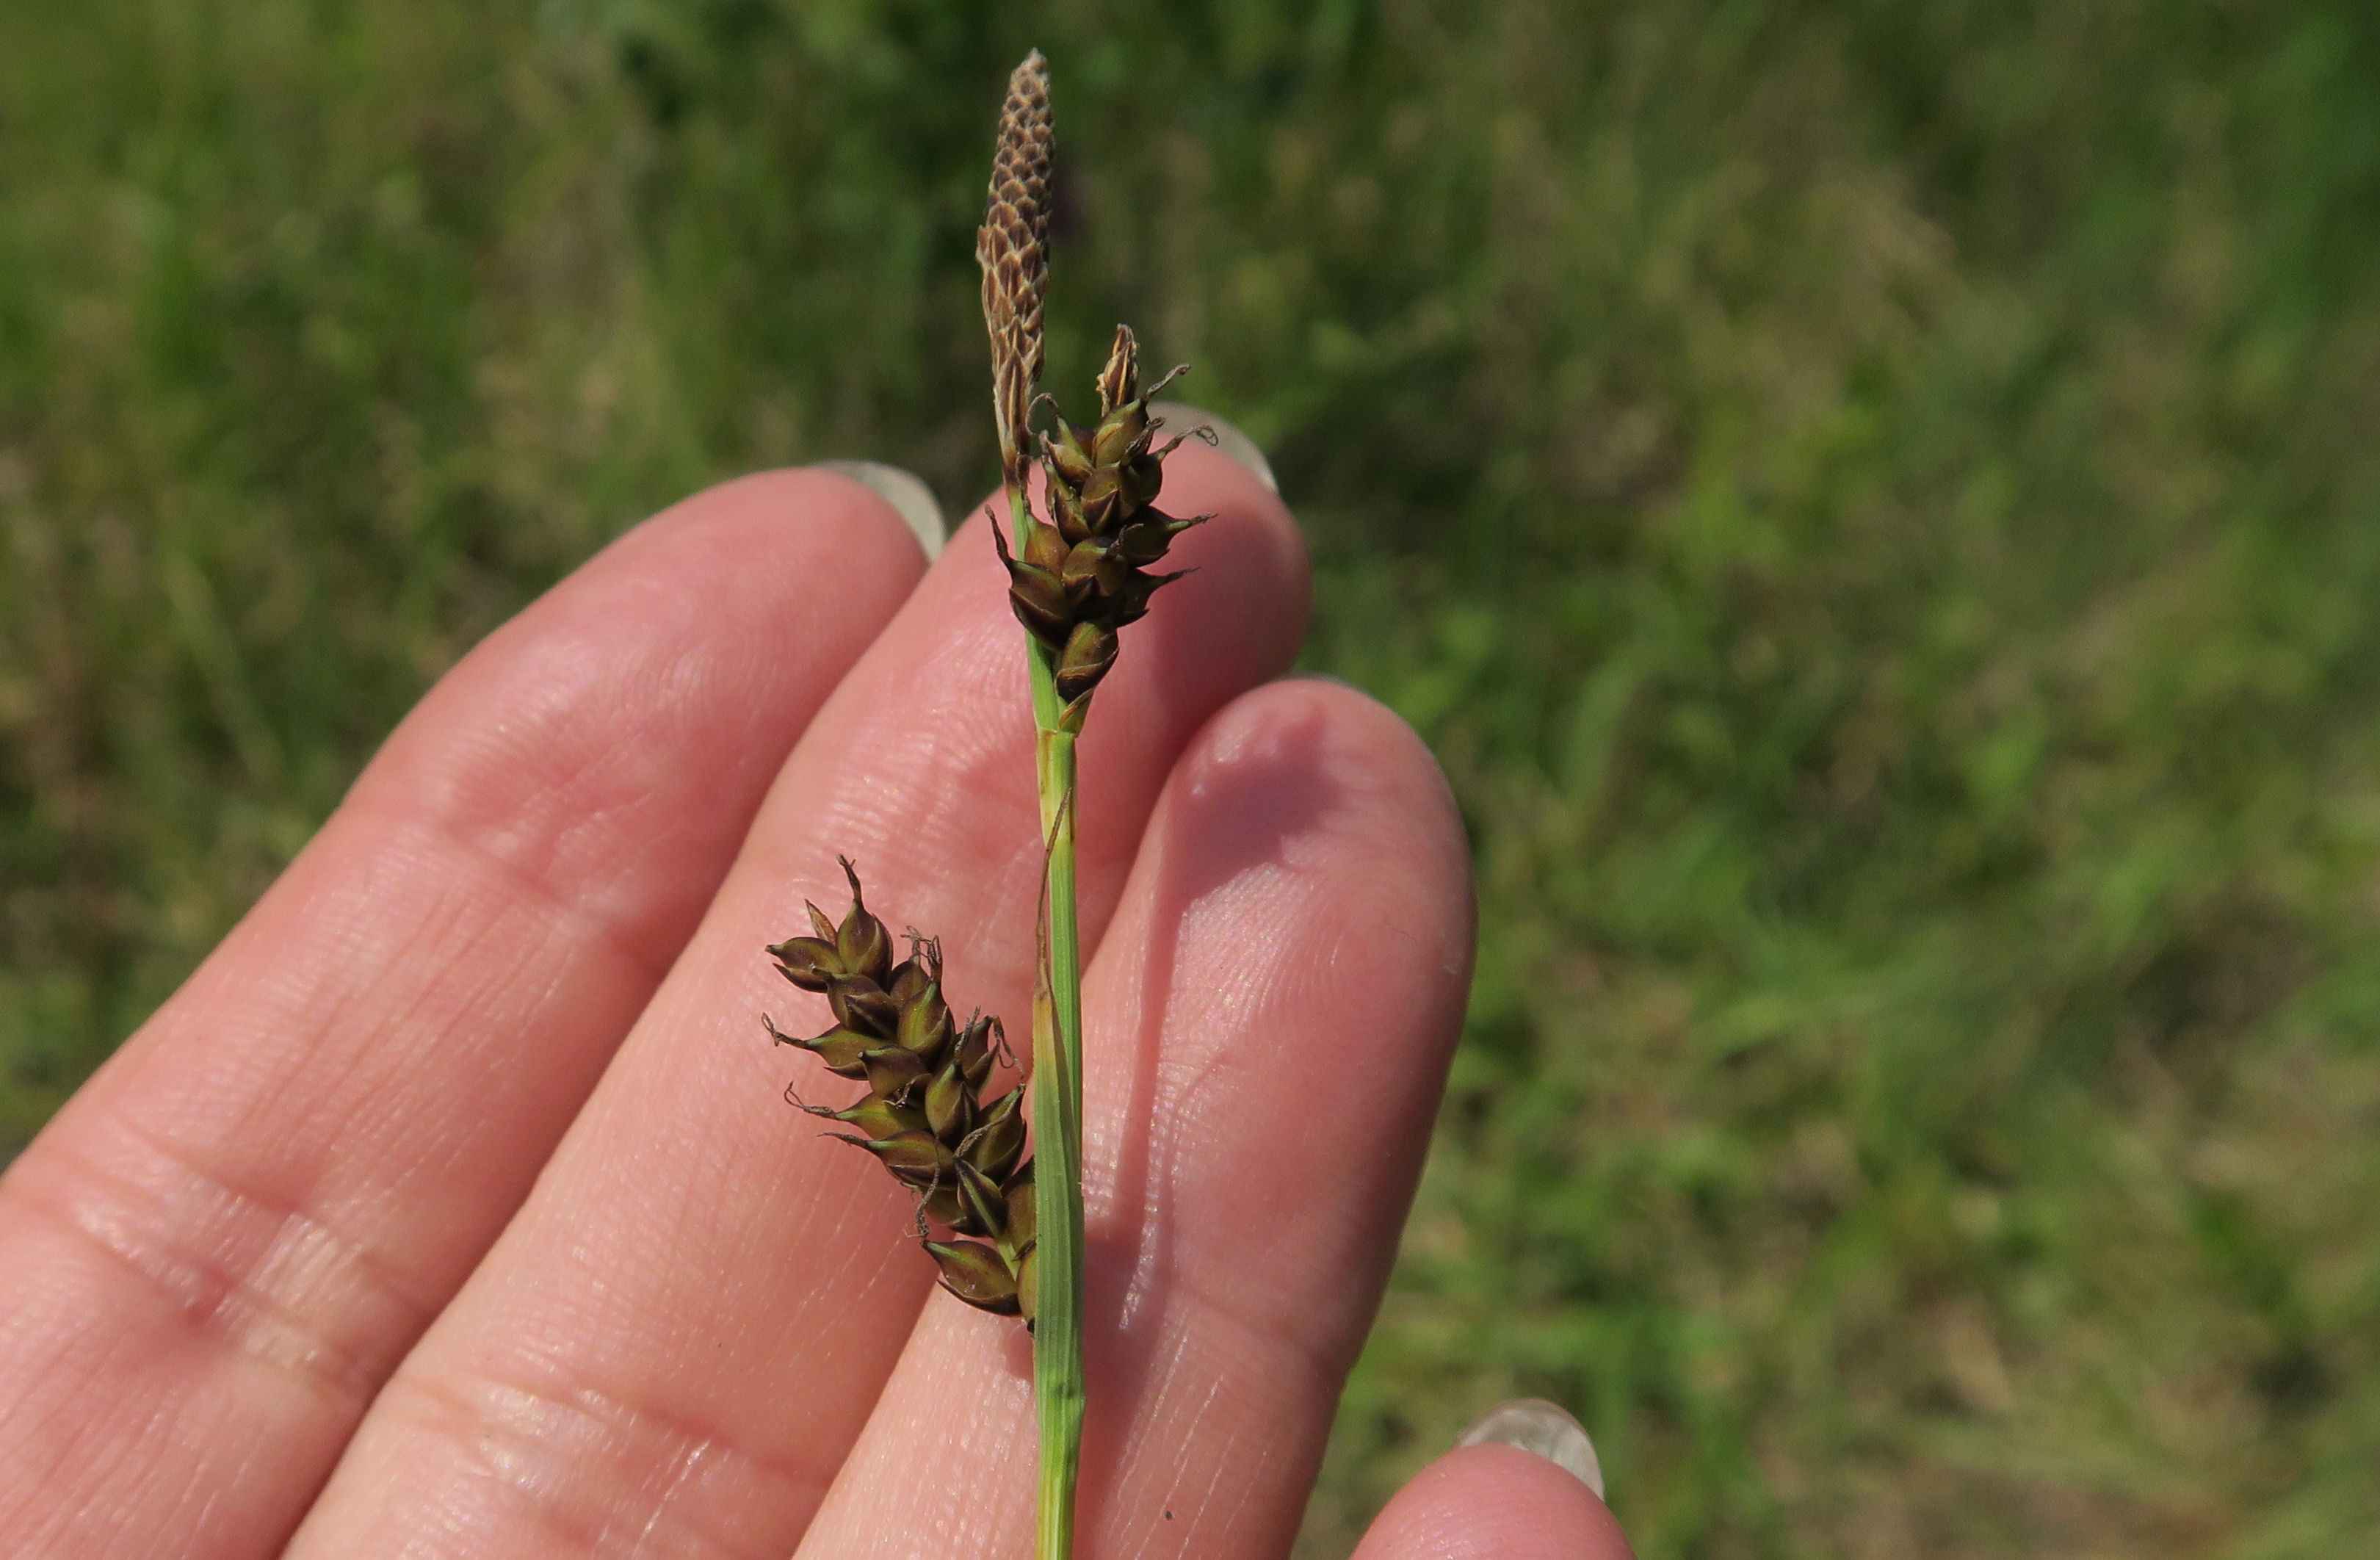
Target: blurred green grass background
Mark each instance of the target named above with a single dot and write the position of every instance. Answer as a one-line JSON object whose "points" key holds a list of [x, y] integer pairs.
{"points": [[1878, 508]]}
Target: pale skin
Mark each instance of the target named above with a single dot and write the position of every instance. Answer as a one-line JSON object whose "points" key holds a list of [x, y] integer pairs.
{"points": [[452, 1209]]}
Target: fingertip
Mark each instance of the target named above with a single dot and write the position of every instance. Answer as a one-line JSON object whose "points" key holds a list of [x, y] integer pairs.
{"points": [[902, 491], [1322, 828], [1304, 876], [1494, 1503], [1389, 802], [1252, 530], [691, 597], [1219, 434], [831, 501], [637, 712]]}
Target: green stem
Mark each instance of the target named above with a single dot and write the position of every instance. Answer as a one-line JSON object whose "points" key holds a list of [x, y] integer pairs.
{"points": [[1057, 1121]]}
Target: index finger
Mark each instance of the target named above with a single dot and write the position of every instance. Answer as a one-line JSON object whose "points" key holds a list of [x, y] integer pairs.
{"points": [[223, 1244]]}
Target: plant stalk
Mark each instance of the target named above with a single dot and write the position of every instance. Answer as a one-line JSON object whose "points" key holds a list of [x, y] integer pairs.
{"points": [[1058, 1392]]}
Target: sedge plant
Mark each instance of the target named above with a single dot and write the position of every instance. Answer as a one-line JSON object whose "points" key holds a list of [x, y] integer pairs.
{"points": [[1079, 573]]}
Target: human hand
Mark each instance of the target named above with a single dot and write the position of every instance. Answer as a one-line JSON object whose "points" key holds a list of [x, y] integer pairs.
{"points": [[451, 1208]]}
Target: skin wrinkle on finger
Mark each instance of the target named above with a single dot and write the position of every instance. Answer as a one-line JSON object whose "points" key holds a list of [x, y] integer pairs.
{"points": [[526, 1439], [1238, 1233], [290, 1277], [122, 1473], [741, 1271], [571, 826], [267, 1306], [309, 1145], [253, 1075]]}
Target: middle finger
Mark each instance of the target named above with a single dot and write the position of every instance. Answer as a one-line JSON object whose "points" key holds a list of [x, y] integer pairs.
{"points": [[682, 1331]]}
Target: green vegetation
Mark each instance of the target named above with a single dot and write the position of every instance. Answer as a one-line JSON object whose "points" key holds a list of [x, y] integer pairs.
{"points": [[1877, 506]]}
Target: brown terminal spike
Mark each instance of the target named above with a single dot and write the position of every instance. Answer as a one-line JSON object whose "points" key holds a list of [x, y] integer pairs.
{"points": [[1012, 246]]}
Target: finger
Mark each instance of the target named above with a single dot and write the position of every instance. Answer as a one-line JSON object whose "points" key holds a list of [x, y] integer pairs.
{"points": [[682, 1331], [1494, 1503], [227, 1240], [1265, 1035]]}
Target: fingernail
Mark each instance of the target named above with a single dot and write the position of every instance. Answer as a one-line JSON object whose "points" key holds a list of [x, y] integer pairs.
{"points": [[1534, 1425], [1181, 416], [910, 497]]}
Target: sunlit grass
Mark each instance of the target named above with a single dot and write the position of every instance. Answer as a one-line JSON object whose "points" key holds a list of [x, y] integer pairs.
{"points": [[1875, 509]]}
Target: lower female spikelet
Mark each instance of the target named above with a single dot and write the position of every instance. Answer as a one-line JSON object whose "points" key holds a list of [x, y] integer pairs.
{"points": [[927, 1115]]}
